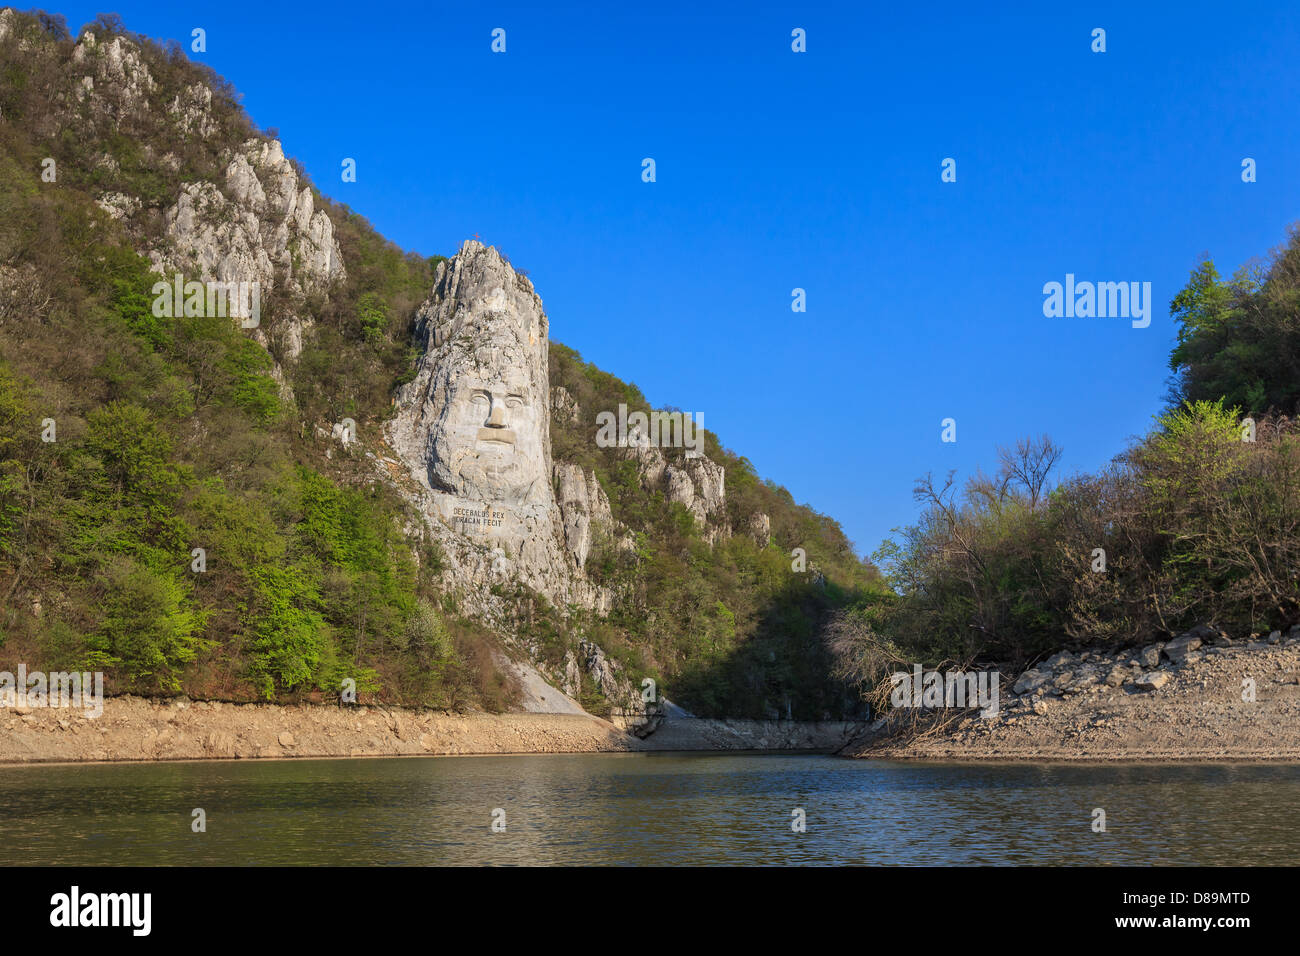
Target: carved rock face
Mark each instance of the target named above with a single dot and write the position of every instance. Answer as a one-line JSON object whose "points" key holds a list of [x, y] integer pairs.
{"points": [[474, 429], [487, 426], [476, 414], [474, 424]]}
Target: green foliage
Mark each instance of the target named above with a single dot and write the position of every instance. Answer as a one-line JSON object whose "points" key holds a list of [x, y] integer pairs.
{"points": [[174, 435], [372, 317], [724, 628], [288, 635], [15, 419], [148, 627], [1191, 525], [1238, 341]]}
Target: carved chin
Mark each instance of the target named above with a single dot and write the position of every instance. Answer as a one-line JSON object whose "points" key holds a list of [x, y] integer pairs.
{"points": [[490, 466], [501, 480]]}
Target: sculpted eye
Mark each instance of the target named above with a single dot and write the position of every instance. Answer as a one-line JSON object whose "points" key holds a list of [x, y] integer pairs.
{"points": [[514, 401], [480, 398]]}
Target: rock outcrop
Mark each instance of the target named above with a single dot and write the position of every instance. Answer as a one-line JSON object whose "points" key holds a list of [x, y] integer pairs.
{"points": [[256, 223], [473, 429], [699, 485], [630, 708], [115, 75], [563, 405], [584, 509], [262, 227]]}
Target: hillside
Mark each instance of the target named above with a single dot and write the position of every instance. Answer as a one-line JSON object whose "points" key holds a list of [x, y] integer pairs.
{"points": [[241, 506], [1196, 524]]}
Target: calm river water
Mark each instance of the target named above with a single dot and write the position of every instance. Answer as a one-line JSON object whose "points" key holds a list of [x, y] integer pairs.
{"points": [[647, 809]]}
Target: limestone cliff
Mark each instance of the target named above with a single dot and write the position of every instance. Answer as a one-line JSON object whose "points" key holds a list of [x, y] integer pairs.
{"points": [[254, 223], [473, 428], [156, 157]]}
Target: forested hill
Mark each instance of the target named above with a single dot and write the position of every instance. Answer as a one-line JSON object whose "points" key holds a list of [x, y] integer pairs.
{"points": [[176, 509]]}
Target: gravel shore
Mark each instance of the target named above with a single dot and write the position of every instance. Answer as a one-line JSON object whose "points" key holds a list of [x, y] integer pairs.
{"points": [[1184, 701]]}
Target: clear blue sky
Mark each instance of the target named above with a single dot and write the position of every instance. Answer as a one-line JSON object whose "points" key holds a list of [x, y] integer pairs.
{"points": [[818, 170]]}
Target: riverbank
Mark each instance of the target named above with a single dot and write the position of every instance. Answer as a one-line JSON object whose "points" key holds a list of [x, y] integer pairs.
{"points": [[137, 729], [1188, 700], [1182, 701]]}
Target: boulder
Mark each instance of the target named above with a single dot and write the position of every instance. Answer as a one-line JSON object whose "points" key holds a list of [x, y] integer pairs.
{"points": [[1150, 656], [1030, 682], [1057, 661], [1180, 647]]}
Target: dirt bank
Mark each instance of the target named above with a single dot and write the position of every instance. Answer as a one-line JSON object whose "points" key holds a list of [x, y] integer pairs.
{"points": [[1181, 701], [133, 728]]}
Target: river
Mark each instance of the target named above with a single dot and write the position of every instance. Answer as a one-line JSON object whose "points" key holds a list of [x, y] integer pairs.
{"points": [[647, 809]]}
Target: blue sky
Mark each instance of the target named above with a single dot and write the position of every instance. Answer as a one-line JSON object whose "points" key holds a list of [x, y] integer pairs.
{"points": [[819, 170]]}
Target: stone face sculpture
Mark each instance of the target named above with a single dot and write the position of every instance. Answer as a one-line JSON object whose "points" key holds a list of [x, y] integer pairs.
{"points": [[474, 425], [475, 418], [487, 431], [473, 428]]}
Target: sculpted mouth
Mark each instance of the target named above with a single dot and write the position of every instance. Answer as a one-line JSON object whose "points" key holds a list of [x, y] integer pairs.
{"points": [[497, 436]]}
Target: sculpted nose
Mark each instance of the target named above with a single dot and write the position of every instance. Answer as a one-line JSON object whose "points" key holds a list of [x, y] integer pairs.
{"points": [[497, 417]]}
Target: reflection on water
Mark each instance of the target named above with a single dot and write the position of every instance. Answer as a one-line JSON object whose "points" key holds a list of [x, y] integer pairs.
{"points": [[647, 809]]}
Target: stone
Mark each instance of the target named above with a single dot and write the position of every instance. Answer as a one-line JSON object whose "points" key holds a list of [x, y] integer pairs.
{"points": [[1083, 680], [473, 419], [119, 205], [1150, 656], [1180, 647], [1152, 681], [563, 405], [1116, 676], [473, 428], [262, 228], [217, 744], [285, 739], [572, 682], [1030, 682], [121, 79]]}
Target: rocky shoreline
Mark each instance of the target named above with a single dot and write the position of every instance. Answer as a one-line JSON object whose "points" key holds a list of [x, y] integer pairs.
{"points": [[1201, 696], [137, 729]]}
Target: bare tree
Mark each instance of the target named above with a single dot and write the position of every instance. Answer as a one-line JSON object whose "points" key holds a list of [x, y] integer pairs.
{"points": [[1029, 464]]}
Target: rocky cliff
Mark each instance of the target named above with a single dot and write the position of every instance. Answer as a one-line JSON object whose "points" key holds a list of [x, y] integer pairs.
{"points": [[598, 566], [473, 428]]}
